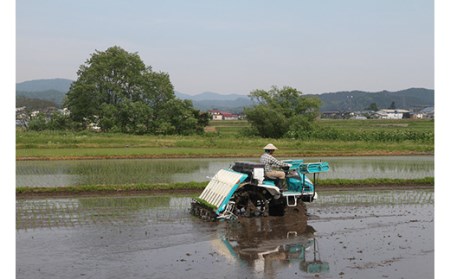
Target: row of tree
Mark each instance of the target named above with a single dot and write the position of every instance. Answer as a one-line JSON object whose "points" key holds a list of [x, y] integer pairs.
{"points": [[118, 92], [282, 112]]}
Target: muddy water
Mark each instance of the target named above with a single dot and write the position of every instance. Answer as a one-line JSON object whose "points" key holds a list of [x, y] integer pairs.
{"points": [[377, 234]]}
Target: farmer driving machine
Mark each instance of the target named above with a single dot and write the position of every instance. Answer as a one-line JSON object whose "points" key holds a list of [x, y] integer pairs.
{"points": [[243, 190]]}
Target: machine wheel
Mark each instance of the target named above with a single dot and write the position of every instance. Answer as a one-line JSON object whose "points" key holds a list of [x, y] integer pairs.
{"points": [[250, 201]]}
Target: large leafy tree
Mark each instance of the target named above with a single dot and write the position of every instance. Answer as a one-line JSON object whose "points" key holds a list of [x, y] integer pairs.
{"points": [[116, 90], [282, 111]]}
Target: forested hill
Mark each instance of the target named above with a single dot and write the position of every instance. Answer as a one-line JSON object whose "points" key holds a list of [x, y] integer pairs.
{"points": [[54, 96], [360, 100], [51, 90], [57, 84], [54, 90]]}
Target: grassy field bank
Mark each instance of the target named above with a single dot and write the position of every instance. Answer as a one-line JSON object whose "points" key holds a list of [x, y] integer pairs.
{"points": [[225, 139], [325, 184]]}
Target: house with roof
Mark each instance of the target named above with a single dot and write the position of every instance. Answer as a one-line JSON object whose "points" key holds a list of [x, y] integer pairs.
{"points": [[428, 112], [391, 113], [223, 115]]}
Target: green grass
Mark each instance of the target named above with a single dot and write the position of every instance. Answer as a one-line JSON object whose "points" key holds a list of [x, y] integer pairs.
{"points": [[111, 188], [377, 181], [199, 186], [333, 138], [377, 124], [374, 130], [233, 148]]}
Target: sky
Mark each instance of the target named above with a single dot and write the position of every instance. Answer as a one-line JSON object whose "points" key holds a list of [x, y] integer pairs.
{"points": [[237, 46]]}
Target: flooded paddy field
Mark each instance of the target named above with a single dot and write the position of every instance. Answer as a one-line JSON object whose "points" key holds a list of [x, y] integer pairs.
{"points": [[133, 171], [348, 234]]}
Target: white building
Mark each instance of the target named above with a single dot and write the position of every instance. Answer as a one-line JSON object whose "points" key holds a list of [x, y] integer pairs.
{"points": [[391, 113], [223, 115]]}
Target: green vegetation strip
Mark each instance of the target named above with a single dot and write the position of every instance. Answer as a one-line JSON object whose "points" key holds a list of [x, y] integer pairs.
{"points": [[198, 186], [376, 181], [111, 188], [330, 138]]}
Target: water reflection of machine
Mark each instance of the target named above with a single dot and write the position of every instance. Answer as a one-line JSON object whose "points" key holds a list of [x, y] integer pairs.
{"points": [[268, 245], [315, 265]]}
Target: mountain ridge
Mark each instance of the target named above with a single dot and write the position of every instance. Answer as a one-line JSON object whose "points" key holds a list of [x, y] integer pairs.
{"points": [[58, 84], [55, 89]]}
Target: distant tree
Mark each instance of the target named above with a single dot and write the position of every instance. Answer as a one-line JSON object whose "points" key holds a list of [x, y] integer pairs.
{"points": [[392, 106], [373, 107], [33, 104], [280, 112], [60, 121], [38, 123], [117, 90], [203, 120], [51, 121]]}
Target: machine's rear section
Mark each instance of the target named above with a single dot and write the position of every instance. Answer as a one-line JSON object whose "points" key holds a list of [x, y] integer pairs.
{"points": [[214, 201], [244, 191]]}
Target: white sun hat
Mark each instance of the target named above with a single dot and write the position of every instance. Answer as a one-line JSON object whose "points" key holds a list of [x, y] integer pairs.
{"points": [[270, 147]]}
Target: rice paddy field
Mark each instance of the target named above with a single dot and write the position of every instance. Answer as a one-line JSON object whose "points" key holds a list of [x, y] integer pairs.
{"points": [[196, 172], [362, 234], [129, 232]]}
